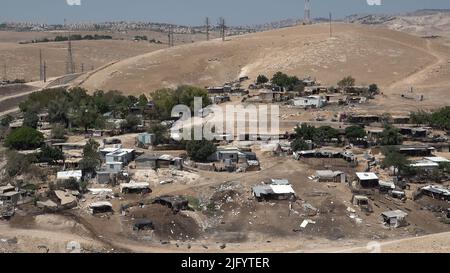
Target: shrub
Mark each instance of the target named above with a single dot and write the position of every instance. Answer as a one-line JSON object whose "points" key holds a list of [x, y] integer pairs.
{"points": [[24, 138]]}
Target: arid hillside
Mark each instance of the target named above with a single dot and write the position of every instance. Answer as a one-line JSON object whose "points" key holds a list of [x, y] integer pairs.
{"points": [[369, 54], [22, 60]]}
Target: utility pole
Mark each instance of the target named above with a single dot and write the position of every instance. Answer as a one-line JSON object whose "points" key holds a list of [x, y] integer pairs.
{"points": [[5, 74], [331, 29], [41, 72], [207, 28], [222, 28], [44, 73]]}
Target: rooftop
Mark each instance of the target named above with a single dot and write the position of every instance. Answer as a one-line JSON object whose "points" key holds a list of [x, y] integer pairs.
{"points": [[366, 176]]}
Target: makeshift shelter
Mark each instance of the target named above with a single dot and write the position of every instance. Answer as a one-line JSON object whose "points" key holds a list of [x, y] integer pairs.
{"points": [[176, 203], [367, 180], [395, 218], [100, 207]]}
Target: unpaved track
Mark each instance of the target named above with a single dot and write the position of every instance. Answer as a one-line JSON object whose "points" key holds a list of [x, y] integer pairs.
{"points": [[421, 75]]}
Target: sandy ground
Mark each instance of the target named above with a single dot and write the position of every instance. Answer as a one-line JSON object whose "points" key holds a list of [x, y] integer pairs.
{"points": [[361, 51]]}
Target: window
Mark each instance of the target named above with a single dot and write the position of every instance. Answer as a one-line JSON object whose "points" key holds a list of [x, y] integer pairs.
{"points": [[111, 166]]}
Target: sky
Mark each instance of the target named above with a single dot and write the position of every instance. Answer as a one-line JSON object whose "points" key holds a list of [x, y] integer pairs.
{"points": [[193, 12]]}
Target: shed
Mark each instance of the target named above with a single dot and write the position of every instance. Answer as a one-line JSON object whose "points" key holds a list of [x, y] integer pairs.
{"points": [[330, 176], [66, 175], [367, 180], [394, 218], [100, 207], [134, 187], [143, 224], [176, 203], [273, 192], [11, 197]]}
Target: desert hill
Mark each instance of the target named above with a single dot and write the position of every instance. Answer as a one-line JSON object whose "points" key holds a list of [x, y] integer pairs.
{"points": [[369, 54]]}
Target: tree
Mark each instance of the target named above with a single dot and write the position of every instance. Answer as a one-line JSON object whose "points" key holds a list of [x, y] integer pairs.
{"points": [[87, 116], [24, 138], [321, 134], [166, 99], [283, 80], [6, 121], [58, 132], [299, 145], [200, 150], [50, 155], [17, 164], [161, 134], [346, 82], [30, 119], [373, 89], [58, 111], [91, 158], [262, 79], [354, 132], [325, 133], [131, 123], [391, 136], [420, 118], [394, 159], [305, 132]]}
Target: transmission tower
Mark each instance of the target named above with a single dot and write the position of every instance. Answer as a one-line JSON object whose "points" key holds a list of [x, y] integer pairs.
{"points": [[70, 65], [222, 27], [207, 28], [170, 36], [307, 16]]}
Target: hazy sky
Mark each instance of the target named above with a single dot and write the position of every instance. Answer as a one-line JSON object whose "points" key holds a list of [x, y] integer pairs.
{"points": [[192, 12]]}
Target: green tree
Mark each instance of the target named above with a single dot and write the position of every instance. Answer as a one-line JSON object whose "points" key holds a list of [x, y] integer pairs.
{"points": [[420, 118], [391, 136], [17, 164], [262, 79], [91, 157], [166, 99], [6, 120], [131, 123], [24, 138], [30, 119], [58, 111], [161, 133], [285, 81], [394, 159], [50, 155], [354, 132], [200, 150], [305, 132], [373, 89], [299, 145], [58, 132], [346, 82]]}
